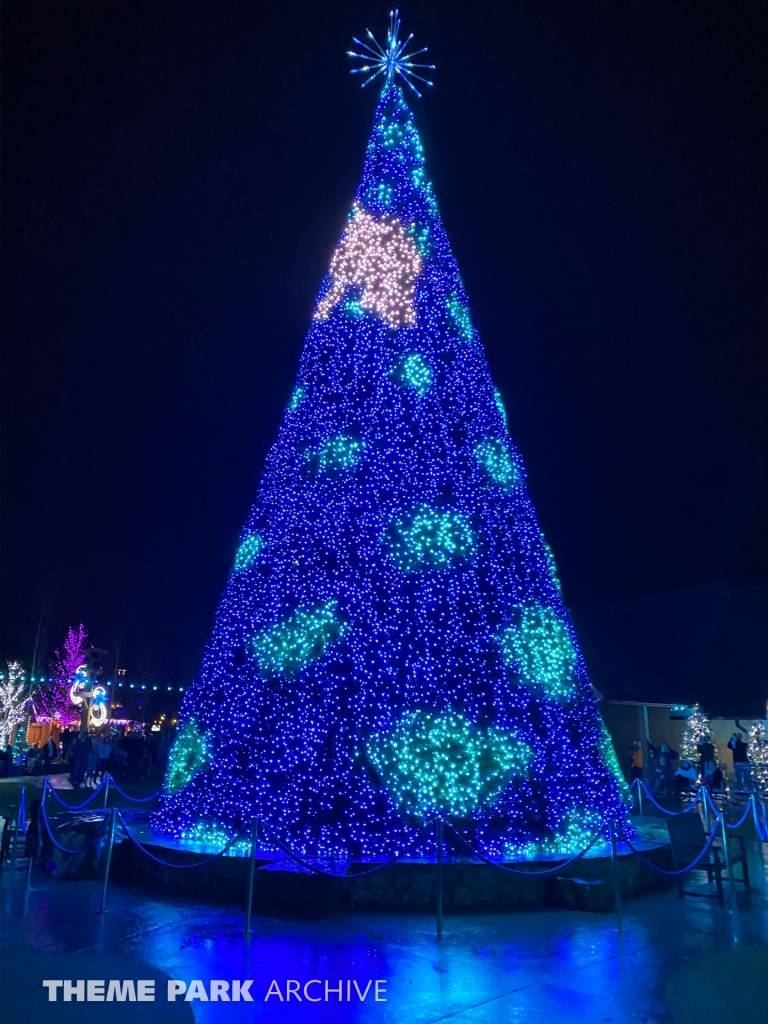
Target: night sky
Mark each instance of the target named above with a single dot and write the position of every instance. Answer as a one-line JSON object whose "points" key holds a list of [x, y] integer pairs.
{"points": [[174, 179]]}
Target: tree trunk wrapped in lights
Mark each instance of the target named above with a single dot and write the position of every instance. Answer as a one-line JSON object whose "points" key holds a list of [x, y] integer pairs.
{"points": [[53, 700], [392, 643], [13, 695]]}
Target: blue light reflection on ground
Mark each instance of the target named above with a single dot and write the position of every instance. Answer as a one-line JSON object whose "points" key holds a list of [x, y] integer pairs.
{"points": [[548, 966]]}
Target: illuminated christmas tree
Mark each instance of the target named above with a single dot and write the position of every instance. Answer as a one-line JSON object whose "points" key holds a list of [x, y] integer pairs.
{"points": [[13, 696], [609, 753], [758, 755], [392, 643], [697, 727], [53, 700]]}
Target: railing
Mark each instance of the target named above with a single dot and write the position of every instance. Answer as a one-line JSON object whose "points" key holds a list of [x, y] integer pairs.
{"points": [[610, 828], [641, 788], [105, 784], [753, 807]]}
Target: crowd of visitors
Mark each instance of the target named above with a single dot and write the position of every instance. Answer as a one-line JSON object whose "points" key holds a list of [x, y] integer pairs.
{"points": [[88, 756], [668, 775], [741, 767]]}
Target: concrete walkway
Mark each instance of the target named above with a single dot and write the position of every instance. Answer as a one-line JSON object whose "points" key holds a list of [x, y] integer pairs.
{"points": [[680, 961]]}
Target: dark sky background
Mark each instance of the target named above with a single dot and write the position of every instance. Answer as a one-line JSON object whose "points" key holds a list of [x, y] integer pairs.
{"points": [[175, 176]]}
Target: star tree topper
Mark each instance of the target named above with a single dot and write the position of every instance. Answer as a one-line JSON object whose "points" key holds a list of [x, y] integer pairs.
{"points": [[390, 60]]}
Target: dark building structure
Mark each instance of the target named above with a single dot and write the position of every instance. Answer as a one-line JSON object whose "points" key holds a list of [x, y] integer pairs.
{"points": [[650, 655]]}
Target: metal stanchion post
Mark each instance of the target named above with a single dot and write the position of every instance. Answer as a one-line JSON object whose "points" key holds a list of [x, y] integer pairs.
{"points": [[106, 789], [758, 830], [45, 791], [29, 872], [640, 797], [616, 878], [727, 855], [12, 844], [20, 824], [439, 879], [108, 865], [251, 873]]}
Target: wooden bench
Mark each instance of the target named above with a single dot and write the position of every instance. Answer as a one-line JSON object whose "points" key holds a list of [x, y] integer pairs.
{"points": [[688, 839]]}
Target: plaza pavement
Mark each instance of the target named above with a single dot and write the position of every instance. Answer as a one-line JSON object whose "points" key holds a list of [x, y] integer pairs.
{"points": [[680, 962]]}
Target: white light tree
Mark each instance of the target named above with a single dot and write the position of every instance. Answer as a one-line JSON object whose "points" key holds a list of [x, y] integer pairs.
{"points": [[696, 727], [13, 696], [758, 754]]}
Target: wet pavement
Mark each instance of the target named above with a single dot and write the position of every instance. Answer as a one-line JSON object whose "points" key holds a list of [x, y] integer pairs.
{"points": [[679, 961]]}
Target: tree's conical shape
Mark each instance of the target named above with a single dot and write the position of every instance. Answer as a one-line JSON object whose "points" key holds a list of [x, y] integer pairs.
{"points": [[392, 643]]}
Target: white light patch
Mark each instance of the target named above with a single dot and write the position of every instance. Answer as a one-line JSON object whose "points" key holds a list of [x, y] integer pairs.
{"points": [[378, 255]]}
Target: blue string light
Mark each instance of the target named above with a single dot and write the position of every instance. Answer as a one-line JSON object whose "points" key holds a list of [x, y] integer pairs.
{"points": [[390, 61], [402, 598]]}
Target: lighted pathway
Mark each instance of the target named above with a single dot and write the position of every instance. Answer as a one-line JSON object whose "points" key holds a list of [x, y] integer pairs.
{"points": [[689, 961]]}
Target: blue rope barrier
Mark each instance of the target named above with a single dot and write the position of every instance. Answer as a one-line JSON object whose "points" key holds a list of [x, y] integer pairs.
{"points": [[181, 867], [386, 864], [757, 809], [762, 834], [713, 806], [134, 799], [23, 811], [680, 871], [333, 874], [762, 830], [531, 874], [672, 814], [82, 849], [74, 807], [745, 815]]}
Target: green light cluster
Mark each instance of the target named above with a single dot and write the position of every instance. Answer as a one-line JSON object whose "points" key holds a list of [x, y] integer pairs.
{"points": [[500, 406], [298, 396], [298, 639], [444, 764], [353, 308], [429, 197], [414, 373], [573, 834], [208, 834], [431, 538], [392, 135], [422, 238], [494, 458], [608, 751], [461, 317], [248, 552], [539, 648], [384, 195], [189, 755], [339, 452], [552, 565]]}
